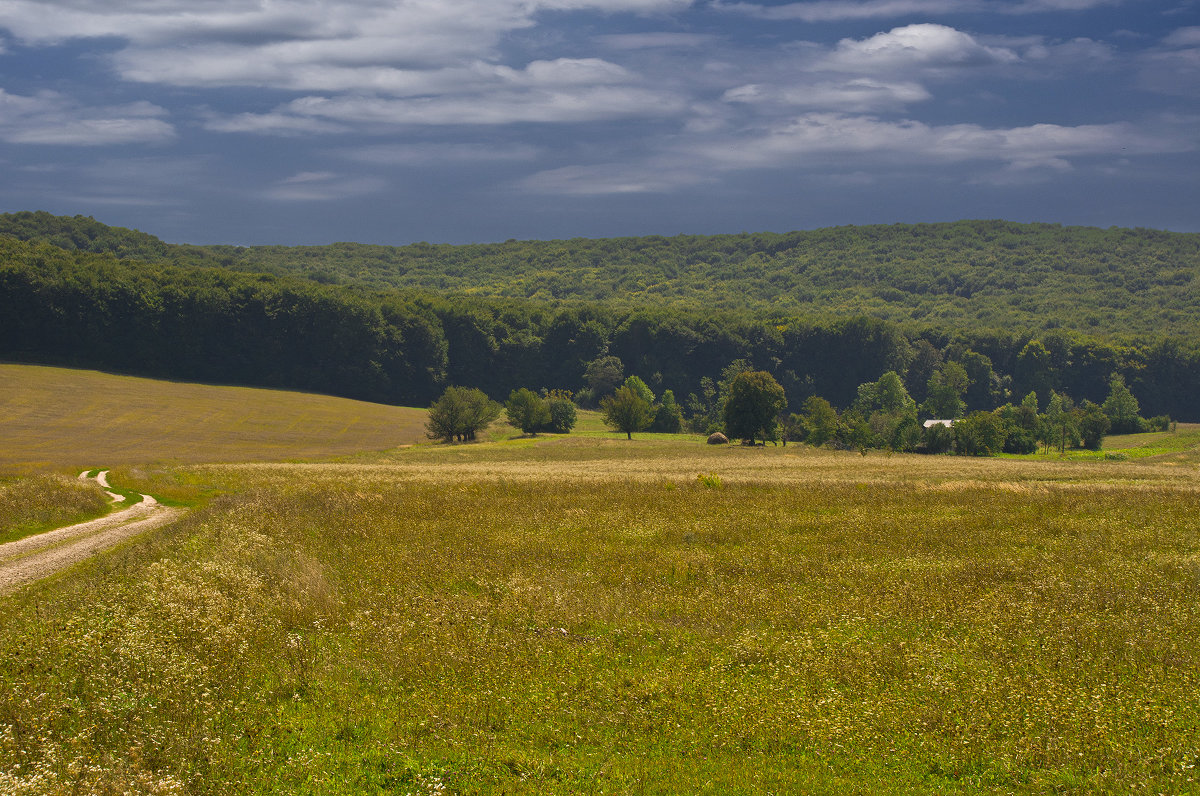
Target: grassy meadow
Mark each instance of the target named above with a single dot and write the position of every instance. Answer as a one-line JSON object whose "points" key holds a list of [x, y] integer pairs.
{"points": [[56, 418], [584, 614]]}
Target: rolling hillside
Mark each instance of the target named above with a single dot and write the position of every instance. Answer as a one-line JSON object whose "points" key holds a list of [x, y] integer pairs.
{"points": [[1115, 283], [57, 417]]}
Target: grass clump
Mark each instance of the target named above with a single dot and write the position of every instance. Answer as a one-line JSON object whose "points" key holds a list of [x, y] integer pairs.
{"points": [[39, 503]]}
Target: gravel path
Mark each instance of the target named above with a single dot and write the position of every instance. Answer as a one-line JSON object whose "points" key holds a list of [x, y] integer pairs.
{"points": [[43, 554]]}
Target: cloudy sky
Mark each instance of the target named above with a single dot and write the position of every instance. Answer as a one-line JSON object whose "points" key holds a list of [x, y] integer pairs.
{"points": [[392, 121]]}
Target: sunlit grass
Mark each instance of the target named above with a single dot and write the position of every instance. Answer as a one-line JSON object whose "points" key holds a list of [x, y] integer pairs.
{"points": [[56, 418], [582, 614], [38, 503]]}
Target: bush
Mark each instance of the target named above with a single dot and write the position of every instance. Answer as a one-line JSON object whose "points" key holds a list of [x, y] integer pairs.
{"points": [[1020, 440]]}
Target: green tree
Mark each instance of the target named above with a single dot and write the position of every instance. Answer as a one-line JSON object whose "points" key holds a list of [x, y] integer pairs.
{"points": [[753, 406], [641, 388], [945, 391], [886, 407], [887, 395], [668, 419], [1034, 370], [819, 420], [703, 408], [603, 375], [939, 438], [460, 413], [979, 434], [1092, 423], [1122, 409], [626, 411], [527, 411], [1057, 426], [562, 411], [985, 389]]}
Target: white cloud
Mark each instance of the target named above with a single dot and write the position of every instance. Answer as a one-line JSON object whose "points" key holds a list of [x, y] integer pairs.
{"points": [[1174, 70], [569, 104], [1184, 37], [322, 186], [436, 154], [841, 10], [836, 10], [287, 43], [854, 146], [621, 178], [915, 46], [826, 137], [858, 94], [280, 124], [51, 118]]}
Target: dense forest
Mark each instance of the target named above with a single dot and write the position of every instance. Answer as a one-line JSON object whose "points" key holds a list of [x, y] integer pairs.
{"points": [[1119, 284], [144, 314]]}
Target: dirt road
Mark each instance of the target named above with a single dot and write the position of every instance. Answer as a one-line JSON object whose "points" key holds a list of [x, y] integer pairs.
{"points": [[38, 556]]}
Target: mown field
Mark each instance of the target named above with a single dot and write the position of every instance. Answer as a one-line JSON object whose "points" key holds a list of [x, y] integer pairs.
{"points": [[584, 614], [63, 418]]}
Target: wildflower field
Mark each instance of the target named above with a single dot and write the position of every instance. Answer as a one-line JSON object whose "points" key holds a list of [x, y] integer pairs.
{"points": [[587, 614]]}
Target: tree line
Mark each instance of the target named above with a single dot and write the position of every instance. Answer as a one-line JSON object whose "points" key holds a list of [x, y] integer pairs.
{"points": [[78, 308]]}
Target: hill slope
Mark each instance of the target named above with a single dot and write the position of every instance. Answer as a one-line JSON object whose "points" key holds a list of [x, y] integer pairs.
{"points": [[56, 417], [1116, 283]]}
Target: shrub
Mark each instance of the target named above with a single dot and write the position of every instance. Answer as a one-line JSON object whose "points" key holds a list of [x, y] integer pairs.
{"points": [[1159, 423]]}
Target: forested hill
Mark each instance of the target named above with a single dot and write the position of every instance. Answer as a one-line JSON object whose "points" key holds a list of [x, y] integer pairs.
{"points": [[1121, 284], [95, 310]]}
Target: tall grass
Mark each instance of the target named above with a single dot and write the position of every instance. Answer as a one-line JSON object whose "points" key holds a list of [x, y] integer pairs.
{"points": [[807, 626], [38, 503]]}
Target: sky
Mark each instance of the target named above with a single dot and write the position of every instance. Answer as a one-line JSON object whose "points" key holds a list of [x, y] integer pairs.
{"points": [[394, 121]]}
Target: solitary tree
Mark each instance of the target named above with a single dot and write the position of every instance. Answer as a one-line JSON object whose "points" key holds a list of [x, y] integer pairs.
{"points": [[626, 411], [527, 411], [753, 406]]}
